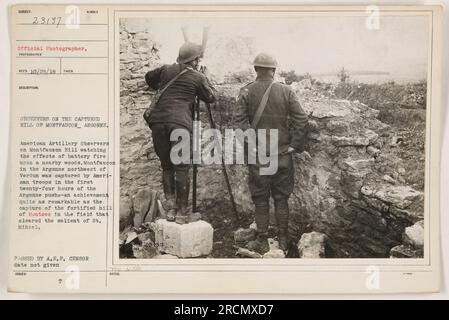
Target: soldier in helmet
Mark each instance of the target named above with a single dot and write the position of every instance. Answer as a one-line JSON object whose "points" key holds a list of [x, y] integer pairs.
{"points": [[281, 105], [174, 111]]}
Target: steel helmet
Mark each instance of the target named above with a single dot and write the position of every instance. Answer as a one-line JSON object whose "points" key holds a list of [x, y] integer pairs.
{"points": [[189, 51], [265, 60]]}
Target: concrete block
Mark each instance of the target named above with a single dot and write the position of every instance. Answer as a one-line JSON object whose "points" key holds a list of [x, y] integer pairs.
{"points": [[244, 235], [414, 235], [184, 240], [312, 245], [274, 254]]}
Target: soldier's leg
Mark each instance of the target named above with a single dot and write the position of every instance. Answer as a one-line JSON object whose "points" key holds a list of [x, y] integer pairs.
{"points": [[161, 141], [168, 183], [281, 187], [282, 212], [260, 193], [182, 182]]}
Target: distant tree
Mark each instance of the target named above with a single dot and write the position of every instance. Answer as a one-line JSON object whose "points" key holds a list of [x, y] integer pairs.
{"points": [[291, 76], [306, 76], [343, 75]]}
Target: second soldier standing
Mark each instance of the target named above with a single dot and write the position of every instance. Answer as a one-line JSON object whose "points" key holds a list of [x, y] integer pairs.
{"points": [[281, 105]]}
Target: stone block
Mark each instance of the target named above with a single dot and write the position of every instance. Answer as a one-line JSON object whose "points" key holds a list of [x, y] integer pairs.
{"points": [[338, 126], [361, 139], [312, 245], [389, 179], [144, 206], [400, 196], [414, 235], [245, 253], [165, 256], [330, 110], [358, 164], [274, 252], [405, 251], [185, 241], [372, 151], [145, 251], [253, 225], [126, 213], [244, 235]]}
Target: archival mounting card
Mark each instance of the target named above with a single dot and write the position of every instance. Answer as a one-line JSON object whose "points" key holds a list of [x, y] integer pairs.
{"points": [[130, 172]]}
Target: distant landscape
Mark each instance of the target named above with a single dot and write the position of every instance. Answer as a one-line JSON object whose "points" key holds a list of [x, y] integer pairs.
{"points": [[370, 78]]}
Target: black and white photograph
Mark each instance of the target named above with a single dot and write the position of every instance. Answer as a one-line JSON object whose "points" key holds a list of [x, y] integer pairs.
{"points": [[255, 137], [227, 151]]}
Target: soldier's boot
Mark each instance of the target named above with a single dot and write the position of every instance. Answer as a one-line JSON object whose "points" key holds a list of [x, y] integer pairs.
{"points": [[168, 184], [182, 196], [194, 216], [262, 217], [282, 213]]}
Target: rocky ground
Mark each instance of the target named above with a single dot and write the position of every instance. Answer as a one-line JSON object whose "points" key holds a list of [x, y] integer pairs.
{"points": [[359, 187]]}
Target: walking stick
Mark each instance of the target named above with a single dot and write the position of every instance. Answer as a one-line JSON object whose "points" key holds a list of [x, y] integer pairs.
{"points": [[223, 166]]}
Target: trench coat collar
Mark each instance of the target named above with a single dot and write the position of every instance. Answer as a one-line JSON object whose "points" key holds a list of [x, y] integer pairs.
{"points": [[265, 77]]}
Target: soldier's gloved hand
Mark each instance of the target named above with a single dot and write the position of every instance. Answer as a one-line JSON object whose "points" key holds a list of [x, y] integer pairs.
{"points": [[288, 151], [303, 156]]}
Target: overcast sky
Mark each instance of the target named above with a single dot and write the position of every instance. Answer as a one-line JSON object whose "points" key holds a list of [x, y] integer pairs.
{"points": [[314, 44]]}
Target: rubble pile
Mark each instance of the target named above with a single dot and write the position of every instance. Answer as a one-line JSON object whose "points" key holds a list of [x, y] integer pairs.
{"points": [[350, 185], [379, 96], [413, 242]]}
